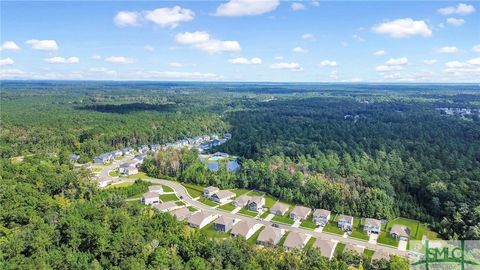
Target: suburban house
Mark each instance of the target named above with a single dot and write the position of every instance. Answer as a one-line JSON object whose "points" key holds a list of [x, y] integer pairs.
{"points": [[300, 212], [103, 158], [241, 201], [166, 206], [155, 147], [127, 151], [345, 222], [227, 136], [181, 213], [279, 209], [245, 228], [222, 196], [155, 189], [295, 240], [143, 149], [223, 224], [139, 159], [209, 191], [256, 203], [117, 153], [326, 247], [128, 168], [321, 217], [201, 219], [354, 249], [104, 183], [220, 154], [400, 232], [150, 198], [270, 236], [74, 157], [372, 226]]}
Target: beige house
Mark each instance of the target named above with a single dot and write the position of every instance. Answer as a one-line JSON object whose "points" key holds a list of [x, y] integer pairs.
{"points": [[320, 217], [400, 232], [209, 191], [372, 226], [222, 196], [181, 213], [326, 247], [256, 203], [223, 224], [279, 209], [270, 236], [245, 228], [295, 240], [201, 219], [300, 212], [166, 206], [345, 222], [242, 201], [150, 198], [156, 189]]}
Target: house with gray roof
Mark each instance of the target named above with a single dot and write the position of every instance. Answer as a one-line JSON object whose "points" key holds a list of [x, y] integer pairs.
{"points": [[223, 224], [245, 228], [279, 209], [270, 236], [401, 232], [326, 247], [320, 217], [256, 203], [372, 225], [300, 212], [201, 219], [295, 240], [345, 222]]}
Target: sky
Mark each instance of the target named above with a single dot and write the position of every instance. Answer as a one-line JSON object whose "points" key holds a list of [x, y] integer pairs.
{"points": [[241, 40]]}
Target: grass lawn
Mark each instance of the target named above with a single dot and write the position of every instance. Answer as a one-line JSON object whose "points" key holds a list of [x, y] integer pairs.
{"points": [[113, 173], [168, 197], [265, 214], [180, 203], [227, 207], [239, 192], [283, 219], [332, 227], [310, 242], [368, 253], [308, 224], [140, 175], [269, 201], [358, 233], [207, 202], [211, 232], [121, 185], [432, 235], [255, 193], [192, 209], [167, 189], [416, 228], [193, 190], [339, 248], [253, 239], [246, 212], [282, 240], [384, 238]]}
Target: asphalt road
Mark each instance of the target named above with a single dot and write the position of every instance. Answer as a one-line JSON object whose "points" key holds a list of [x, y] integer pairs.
{"points": [[181, 191]]}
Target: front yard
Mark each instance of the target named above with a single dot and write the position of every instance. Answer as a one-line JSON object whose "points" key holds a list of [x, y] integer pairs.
{"points": [[308, 224], [332, 227], [168, 197], [283, 219], [227, 207], [193, 190], [246, 212], [207, 202], [384, 238]]}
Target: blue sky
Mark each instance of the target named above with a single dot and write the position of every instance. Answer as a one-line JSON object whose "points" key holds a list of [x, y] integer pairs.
{"points": [[242, 40]]}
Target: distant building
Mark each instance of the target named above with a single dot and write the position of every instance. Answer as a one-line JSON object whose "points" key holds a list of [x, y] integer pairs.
{"points": [[143, 149], [321, 217], [222, 196], [150, 198], [167, 206], [127, 151], [74, 157], [354, 249], [128, 169]]}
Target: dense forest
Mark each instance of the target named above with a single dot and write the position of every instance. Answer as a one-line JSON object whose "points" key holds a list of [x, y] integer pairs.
{"points": [[367, 150]]}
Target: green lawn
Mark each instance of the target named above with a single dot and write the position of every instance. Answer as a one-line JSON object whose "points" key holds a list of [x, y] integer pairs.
{"points": [[332, 227], [368, 253], [358, 233], [253, 239], [227, 207], [211, 232], [310, 242], [255, 193], [246, 212], [339, 248], [113, 173], [282, 240], [265, 214], [283, 219], [416, 228], [180, 203], [167, 189], [207, 202], [121, 185], [140, 175], [168, 197], [192, 209], [384, 238], [308, 224], [269, 201], [193, 190], [239, 192]]}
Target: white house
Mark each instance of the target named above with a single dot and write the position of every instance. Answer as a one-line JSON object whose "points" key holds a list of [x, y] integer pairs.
{"points": [[222, 196], [156, 189], [150, 198], [201, 219]]}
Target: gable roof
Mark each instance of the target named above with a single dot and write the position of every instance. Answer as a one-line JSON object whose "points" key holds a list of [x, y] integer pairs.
{"points": [[269, 234], [295, 240], [281, 207], [181, 213], [211, 189], [300, 210], [244, 199], [321, 213], [242, 227], [222, 194], [155, 187], [165, 206], [150, 195], [373, 222], [400, 230], [346, 218], [257, 200], [223, 220], [199, 217], [326, 246]]}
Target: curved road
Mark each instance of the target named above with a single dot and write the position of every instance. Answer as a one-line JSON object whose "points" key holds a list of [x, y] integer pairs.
{"points": [[181, 191]]}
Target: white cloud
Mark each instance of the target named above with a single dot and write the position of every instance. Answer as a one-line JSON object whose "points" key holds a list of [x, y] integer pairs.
{"points": [[297, 6], [9, 46], [476, 48], [201, 40], [127, 18], [327, 63], [62, 60], [43, 45], [455, 22], [385, 68], [308, 36], [6, 61], [397, 61], [278, 57], [474, 61], [180, 65], [447, 49], [192, 37], [169, 17], [149, 48], [460, 9], [380, 53], [245, 61], [315, 3], [246, 7], [119, 60], [299, 50], [288, 66], [358, 38], [430, 61], [176, 75], [96, 57], [403, 28]]}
